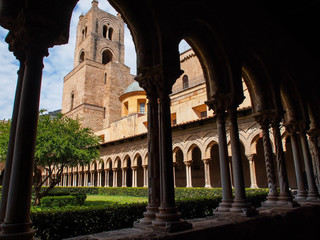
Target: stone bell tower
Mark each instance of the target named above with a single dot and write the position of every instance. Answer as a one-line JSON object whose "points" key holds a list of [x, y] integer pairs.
{"points": [[91, 90]]}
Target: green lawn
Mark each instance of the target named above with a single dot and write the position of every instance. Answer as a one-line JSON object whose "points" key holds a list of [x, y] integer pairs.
{"points": [[104, 199]]}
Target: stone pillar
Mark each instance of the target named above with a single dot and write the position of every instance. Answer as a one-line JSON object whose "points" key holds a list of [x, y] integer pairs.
{"points": [[240, 205], [17, 224], [252, 169], [153, 150], [8, 163], [134, 175], [314, 138], [227, 198], [188, 173], [207, 173], [115, 177], [168, 217], [264, 122], [302, 193], [145, 175], [312, 188], [174, 173], [285, 197], [106, 183], [124, 177]]}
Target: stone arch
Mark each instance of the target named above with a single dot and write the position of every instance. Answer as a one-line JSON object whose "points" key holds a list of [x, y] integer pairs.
{"points": [[208, 148], [106, 56], [82, 56], [179, 167]]}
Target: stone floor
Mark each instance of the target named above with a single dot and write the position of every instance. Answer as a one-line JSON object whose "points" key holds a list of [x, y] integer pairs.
{"points": [[272, 223]]}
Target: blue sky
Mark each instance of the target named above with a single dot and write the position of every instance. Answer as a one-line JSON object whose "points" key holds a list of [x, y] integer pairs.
{"points": [[56, 65]]}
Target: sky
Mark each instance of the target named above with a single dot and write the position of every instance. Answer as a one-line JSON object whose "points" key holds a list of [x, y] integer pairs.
{"points": [[58, 64]]}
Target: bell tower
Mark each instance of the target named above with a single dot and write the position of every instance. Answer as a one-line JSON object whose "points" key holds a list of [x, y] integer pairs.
{"points": [[91, 90]]}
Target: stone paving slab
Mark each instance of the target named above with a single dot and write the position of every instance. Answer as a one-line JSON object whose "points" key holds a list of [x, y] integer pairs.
{"points": [[277, 222]]}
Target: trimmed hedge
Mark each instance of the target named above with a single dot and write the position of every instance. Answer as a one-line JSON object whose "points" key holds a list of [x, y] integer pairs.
{"points": [[61, 201], [75, 221]]}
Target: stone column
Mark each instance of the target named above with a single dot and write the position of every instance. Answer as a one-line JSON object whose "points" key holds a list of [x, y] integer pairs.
{"points": [[240, 205], [285, 197], [227, 198], [124, 177], [145, 175], [188, 173], [115, 177], [106, 183], [17, 224], [314, 138], [168, 217], [207, 173], [302, 193], [8, 163], [134, 175], [147, 82], [252, 169], [174, 173], [264, 122], [312, 188]]}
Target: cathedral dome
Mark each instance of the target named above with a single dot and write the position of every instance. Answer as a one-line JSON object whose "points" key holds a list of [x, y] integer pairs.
{"points": [[133, 87]]}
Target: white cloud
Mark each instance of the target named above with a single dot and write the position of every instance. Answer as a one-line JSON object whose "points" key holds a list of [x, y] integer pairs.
{"points": [[56, 65]]}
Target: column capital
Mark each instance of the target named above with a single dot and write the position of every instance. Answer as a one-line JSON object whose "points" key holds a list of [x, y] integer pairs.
{"points": [[206, 160], [188, 163], [219, 103]]}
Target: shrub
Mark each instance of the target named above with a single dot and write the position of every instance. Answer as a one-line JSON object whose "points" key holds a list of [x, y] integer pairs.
{"points": [[60, 201]]}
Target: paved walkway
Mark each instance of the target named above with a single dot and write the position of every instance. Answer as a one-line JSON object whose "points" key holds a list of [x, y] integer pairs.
{"points": [[271, 223]]}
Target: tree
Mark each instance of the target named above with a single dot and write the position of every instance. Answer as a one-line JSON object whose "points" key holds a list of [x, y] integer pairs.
{"points": [[61, 142], [4, 138]]}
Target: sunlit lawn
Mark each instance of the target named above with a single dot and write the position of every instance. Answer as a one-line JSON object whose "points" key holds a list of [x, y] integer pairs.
{"points": [[104, 199]]}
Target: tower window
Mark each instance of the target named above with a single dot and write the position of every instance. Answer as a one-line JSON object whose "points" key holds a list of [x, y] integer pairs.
{"points": [[104, 31], [106, 57], [185, 81], [110, 33], [104, 112], [81, 58], [72, 101], [105, 78]]}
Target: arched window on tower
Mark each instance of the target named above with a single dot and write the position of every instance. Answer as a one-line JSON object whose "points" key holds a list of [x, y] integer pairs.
{"points": [[185, 81], [104, 31], [81, 58], [110, 33], [106, 56], [72, 101]]}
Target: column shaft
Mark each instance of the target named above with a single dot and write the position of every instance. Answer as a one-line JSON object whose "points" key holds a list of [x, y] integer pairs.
{"points": [[312, 188], [227, 198], [240, 205], [17, 220], [302, 193], [8, 164]]}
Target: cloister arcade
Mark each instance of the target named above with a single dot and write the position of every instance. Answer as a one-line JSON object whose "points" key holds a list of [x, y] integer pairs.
{"points": [[262, 41]]}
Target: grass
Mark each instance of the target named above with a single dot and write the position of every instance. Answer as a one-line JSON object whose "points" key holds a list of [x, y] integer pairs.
{"points": [[104, 199]]}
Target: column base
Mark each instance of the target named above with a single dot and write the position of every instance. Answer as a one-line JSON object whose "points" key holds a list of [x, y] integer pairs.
{"points": [[271, 201], [225, 206], [168, 219], [21, 231], [244, 208], [149, 216], [313, 196]]}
